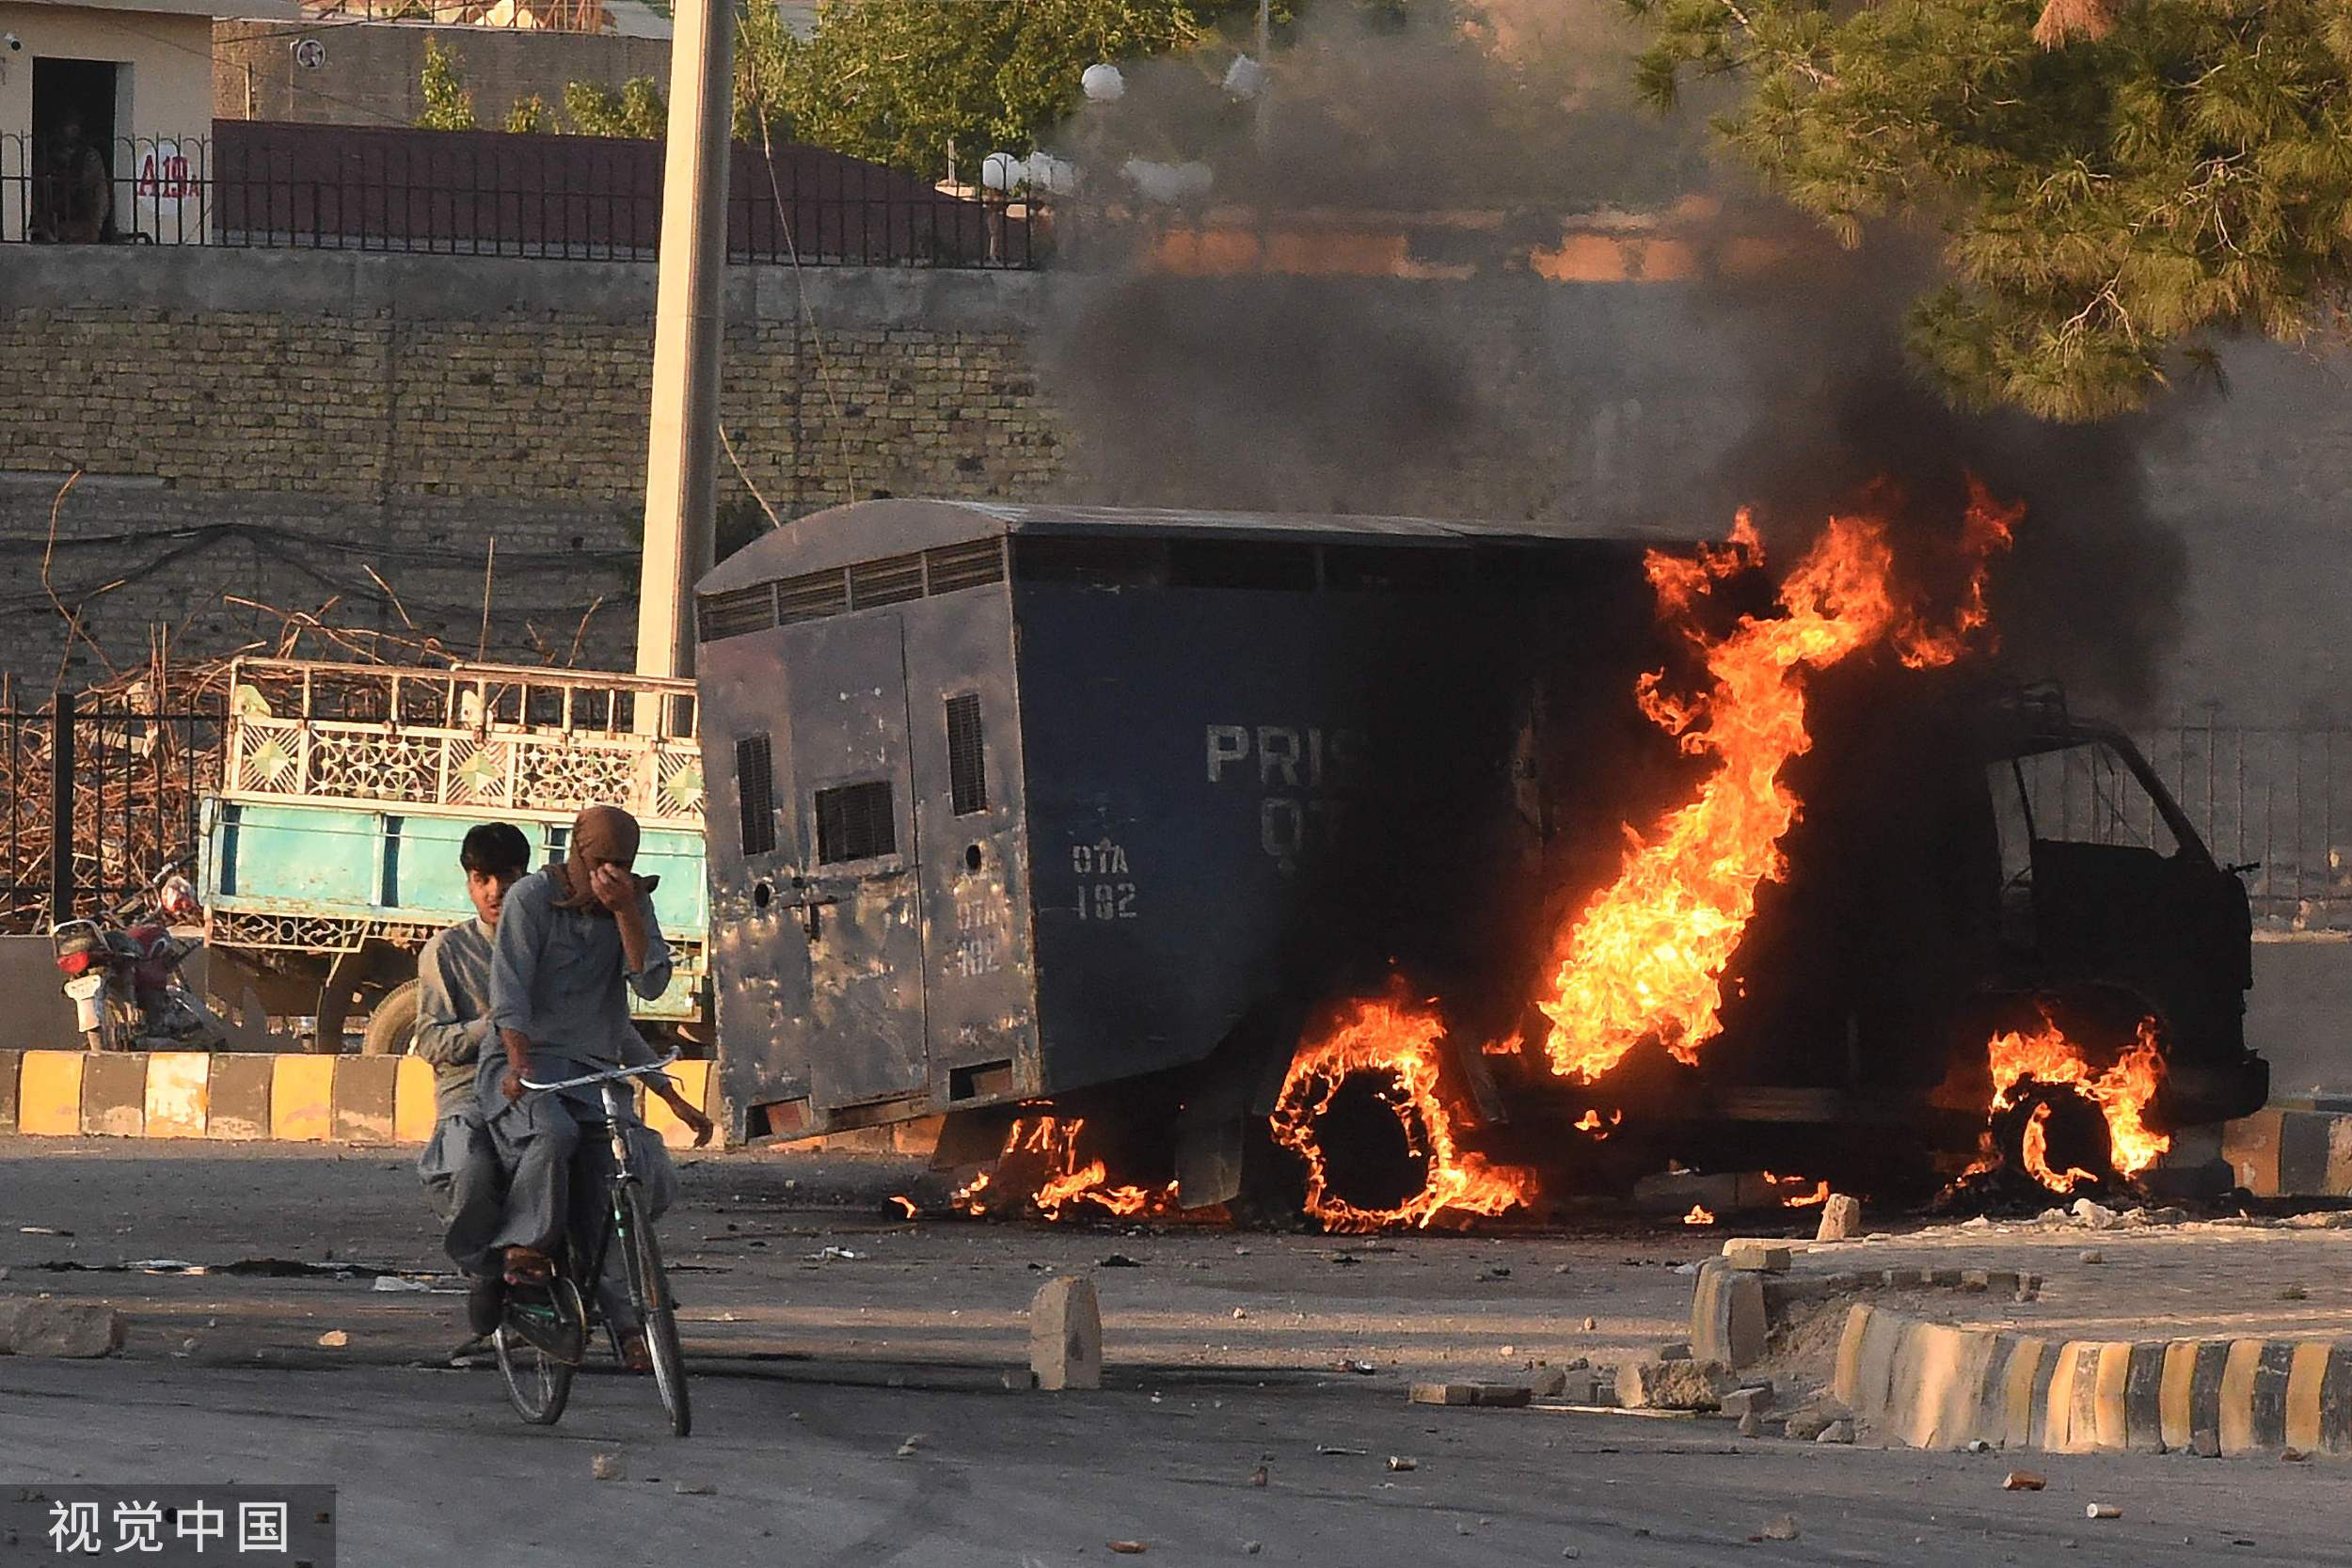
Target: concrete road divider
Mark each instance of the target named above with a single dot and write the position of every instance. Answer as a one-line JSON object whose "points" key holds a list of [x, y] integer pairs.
{"points": [[299, 1099], [1933, 1385]]}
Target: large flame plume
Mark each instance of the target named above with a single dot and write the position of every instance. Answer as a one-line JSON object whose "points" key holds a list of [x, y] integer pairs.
{"points": [[1401, 1044], [2122, 1093], [1646, 957]]}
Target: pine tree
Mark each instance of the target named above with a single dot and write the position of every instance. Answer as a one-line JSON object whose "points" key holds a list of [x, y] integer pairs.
{"points": [[2117, 181]]}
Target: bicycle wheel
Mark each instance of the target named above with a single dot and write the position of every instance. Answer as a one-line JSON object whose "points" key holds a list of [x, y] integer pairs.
{"points": [[649, 1288], [531, 1345]]}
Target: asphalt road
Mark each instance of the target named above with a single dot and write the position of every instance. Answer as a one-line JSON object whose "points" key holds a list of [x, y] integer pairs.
{"points": [[814, 1370], [804, 1469]]}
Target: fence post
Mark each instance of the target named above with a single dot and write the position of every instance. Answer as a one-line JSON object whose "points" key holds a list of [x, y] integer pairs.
{"points": [[61, 809]]}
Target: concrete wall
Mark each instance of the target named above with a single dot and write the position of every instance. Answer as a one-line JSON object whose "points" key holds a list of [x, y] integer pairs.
{"points": [[272, 424], [37, 1015], [2299, 1014], [374, 72]]}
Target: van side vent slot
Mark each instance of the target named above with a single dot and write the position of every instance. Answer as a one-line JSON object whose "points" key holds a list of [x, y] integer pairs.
{"points": [[894, 580], [967, 761], [737, 611], [812, 597], [755, 794], [953, 566]]}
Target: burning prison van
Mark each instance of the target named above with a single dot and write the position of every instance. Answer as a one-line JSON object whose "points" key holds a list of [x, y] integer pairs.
{"points": [[1100, 806]]}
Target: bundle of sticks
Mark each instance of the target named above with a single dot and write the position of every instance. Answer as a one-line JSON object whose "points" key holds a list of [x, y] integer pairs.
{"points": [[146, 747]]}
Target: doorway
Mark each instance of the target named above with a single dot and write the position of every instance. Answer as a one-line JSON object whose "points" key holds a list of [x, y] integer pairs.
{"points": [[74, 106]]}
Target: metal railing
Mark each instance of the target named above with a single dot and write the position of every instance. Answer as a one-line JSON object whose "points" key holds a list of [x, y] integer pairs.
{"points": [[537, 16], [317, 187], [2274, 798], [130, 789]]}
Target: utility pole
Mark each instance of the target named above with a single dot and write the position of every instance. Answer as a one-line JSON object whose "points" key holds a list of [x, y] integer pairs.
{"points": [[1265, 58], [681, 462]]}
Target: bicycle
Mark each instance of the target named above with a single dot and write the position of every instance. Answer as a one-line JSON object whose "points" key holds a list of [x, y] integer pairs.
{"points": [[543, 1336]]}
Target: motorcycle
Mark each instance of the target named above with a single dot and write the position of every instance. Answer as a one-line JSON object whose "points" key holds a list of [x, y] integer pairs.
{"points": [[125, 980]]}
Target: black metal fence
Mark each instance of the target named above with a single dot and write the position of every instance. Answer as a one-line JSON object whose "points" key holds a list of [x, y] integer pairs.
{"points": [[131, 789], [2276, 799], [326, 187]]}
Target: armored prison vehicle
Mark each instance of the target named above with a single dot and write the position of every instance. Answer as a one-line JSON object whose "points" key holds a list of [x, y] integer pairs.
{"points": [[1100, 806]]}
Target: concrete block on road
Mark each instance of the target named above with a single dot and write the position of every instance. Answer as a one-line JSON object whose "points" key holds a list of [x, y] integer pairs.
{"points": [[302, 1099], [49, 1093], [1066, 1334], [1495, 1396], [60, 1328], [1748, 1402], [1728, 1321], [114, 1094], [11, 1064], [1673, 1385], [238, 1097], [1757, 1256], [176, 1085], [363, 1101], [1841, 1219], [415, 1106]]}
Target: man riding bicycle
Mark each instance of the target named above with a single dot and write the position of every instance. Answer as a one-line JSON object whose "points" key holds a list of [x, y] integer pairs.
{"points": [[573, 941]]}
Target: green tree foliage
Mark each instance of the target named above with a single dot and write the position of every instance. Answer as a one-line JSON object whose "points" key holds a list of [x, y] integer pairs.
{"points": [[530, 116], [2141, 174], [448, 104], [636, 110], [898, 80]]}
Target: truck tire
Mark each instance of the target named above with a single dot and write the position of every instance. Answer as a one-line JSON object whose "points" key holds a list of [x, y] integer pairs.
{"points": [[392, 1021]]}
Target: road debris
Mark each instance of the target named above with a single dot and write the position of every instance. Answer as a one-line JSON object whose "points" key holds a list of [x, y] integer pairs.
{"points": [[1841, 1216], [1119, 1261], [1361, 1368], [1839, 1431], [41, 1230], [694, 1489], [1498, 1396], [1257, 1476], [1332, 1451], [1129, 1548], [71, 1330], [2101, 1510], [835, 1254], [2091, 1255], [1782, 1528], [1402, 1462], [334, 1338], [1676, 1384], [1066, 1334], [2024, 1481], [606, 1466], [912, 1446]]}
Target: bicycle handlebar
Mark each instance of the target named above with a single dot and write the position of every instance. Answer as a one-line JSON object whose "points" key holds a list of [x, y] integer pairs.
{"points": [[614, 1075]]}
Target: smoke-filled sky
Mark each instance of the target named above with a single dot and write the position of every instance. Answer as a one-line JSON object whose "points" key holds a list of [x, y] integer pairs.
{"points": [[1665, 404]]}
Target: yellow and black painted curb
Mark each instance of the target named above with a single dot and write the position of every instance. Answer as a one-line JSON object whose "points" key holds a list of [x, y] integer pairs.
{"points": [[1933, 1385], [225, 1095]]}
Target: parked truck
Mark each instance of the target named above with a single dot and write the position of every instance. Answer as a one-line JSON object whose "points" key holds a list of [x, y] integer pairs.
{"points": [[1098, 807], [330, 847]]}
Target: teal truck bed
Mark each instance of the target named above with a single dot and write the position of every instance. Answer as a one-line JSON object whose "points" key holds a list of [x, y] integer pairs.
{"points": [[330, 849]]}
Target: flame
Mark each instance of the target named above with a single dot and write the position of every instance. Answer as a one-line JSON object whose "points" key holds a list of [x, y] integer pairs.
{"points": [[907, 1203], [1400, 1041], [1699, 1214], [1590, 1123], [2122, 1093], [1806, 1200], [1051, 1144], [1646, 957]]}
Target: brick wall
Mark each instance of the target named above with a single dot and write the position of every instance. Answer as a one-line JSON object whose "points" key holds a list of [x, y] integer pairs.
{"points": [[273, 425]]}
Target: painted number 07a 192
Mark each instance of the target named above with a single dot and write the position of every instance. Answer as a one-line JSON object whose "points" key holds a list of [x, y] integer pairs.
{"points": [[1098, 898], [1106, 900]]}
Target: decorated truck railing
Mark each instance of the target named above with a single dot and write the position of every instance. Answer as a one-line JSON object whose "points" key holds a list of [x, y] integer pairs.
{"points": [[330, 849]]}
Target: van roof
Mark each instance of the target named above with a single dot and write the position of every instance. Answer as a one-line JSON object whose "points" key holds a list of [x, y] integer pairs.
{"points": [[863, 530]]}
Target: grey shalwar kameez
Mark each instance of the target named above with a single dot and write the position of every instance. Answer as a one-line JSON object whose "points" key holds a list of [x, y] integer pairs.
{"points": [[559, 977], [460, 1166]]}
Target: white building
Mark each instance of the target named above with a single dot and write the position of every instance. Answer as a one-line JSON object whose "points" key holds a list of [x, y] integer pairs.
{"points": [[135, 77]]}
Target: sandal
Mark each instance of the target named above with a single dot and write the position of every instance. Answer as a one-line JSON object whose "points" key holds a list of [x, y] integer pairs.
{"points": [[635, 1354], [528, 1266]]}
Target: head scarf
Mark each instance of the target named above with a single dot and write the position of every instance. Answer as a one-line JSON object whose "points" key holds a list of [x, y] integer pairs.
{"points": [[599, 834]]}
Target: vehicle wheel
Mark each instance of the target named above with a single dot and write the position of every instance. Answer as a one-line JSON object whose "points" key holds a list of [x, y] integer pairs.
{"points": [[539, 1377], [392, 1021], [649, 1287]]}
